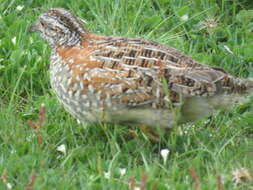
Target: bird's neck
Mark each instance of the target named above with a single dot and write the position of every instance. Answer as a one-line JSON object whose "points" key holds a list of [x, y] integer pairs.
{"points": [[69, 39]]}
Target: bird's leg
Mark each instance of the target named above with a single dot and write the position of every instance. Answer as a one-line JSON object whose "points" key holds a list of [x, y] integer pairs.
{"points": [[150, 133]]}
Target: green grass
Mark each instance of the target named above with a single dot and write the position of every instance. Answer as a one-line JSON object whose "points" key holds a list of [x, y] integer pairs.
{"points": [[217, 33]]}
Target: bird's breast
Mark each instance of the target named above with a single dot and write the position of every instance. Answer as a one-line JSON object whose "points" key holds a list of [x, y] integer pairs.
{"points": [[72, 91]]}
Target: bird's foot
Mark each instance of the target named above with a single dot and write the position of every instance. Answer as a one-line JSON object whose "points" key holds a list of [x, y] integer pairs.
{"points": [[150, 133]]}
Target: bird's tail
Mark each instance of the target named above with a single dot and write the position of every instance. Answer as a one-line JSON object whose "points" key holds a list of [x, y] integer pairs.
{"points": [[240, 95], [249, 87], [196, 108]]}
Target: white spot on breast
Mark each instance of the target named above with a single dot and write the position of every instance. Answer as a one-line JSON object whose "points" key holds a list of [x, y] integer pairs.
{"points": [[78, 78], [58, 69], [92, 58], [85, 76], [77, 94], [130, 91], [71, 60], [75, 87], [91, 88], [81, 85], [81, 68], [84, 96], [117, 88], [86, 104], [70, 92], [108, 101], [69, 81], [66, 68]]}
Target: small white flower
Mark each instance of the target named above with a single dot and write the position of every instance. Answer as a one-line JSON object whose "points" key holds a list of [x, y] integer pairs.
{"points": [[107, 175], [137, 188], [122, 171], [9, 185], [14, 40], [185, 17], [228, 49], [13, 151], [19, 7], [165, 153], [30, 137], [61, 148]]}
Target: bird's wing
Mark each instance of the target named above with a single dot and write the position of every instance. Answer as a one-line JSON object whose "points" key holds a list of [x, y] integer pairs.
{"points": [[131, 71], [184, 75], [200, 82], [140, 52]]}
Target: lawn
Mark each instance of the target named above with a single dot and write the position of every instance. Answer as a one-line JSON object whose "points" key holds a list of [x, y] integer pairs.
{"points": [[52, 151]]}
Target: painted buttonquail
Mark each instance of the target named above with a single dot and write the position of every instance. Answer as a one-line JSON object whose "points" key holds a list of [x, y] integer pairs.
{"points": [[131, 80]]}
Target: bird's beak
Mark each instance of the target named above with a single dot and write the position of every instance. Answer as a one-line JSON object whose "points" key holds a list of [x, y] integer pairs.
{"points": [[35, 27]]}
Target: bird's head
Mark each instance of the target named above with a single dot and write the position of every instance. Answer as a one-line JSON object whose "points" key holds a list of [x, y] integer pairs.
{"points": [[59, 27]]}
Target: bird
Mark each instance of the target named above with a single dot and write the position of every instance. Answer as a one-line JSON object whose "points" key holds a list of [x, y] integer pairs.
{"points": [[130, 80]]}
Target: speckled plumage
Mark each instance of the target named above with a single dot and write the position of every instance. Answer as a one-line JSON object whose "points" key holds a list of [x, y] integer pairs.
{"points": [[121, 79]]}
